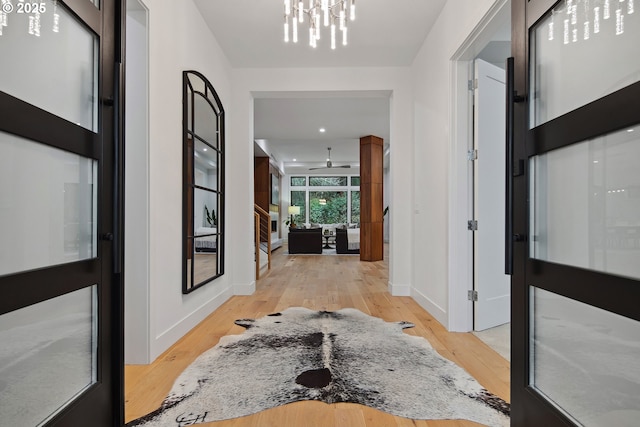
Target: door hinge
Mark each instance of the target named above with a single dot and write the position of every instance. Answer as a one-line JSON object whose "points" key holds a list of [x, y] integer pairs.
{"points": [[472, 84], [472, 225], [472, 295], [472, 155]]}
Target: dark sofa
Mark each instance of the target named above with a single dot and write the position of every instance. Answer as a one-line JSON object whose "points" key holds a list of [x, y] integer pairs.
{"points": [[305, 240], [342, 245]]}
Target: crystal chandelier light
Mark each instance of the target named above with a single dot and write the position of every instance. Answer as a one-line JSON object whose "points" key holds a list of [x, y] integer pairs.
{"points": [[327, 13], [581, 19]]}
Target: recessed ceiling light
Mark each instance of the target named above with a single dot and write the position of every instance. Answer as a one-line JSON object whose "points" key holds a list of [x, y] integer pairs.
{"points": [[204, 149], [595, 161], [295, 160], [630, 130], [322, 130]]}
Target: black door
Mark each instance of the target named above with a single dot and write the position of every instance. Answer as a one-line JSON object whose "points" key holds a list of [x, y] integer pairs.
{"points": [[60, 290], [576, 213]]}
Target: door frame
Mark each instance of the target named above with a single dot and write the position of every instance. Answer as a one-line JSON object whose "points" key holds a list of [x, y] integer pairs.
{"points": [[460, 253], [136, 248]]}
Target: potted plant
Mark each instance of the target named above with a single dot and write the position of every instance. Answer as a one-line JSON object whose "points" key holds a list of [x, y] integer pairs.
{"points": [[212, 221]]}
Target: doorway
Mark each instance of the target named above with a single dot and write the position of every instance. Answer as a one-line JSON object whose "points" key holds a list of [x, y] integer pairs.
{"points": [[479, 289]]}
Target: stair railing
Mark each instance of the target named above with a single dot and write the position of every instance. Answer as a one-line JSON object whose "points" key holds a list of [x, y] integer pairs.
{"points": [[263, 235]]}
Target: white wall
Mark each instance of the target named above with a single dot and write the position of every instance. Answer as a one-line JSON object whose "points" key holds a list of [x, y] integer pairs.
{"points": [[247, 82], [136, 190], [180, 40], [432, 95]]}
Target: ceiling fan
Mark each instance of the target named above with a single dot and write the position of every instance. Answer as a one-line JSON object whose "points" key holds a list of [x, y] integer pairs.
{"points": [[329, 164]]}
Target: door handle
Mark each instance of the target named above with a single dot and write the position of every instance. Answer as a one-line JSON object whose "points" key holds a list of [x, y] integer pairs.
{"points": [[511, 98]]}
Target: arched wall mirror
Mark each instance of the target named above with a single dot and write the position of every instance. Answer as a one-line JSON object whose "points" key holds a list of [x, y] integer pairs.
{"points": [[203, 182]]}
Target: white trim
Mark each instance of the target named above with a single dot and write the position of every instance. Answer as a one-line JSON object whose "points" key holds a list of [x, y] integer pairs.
{"points": [[166, 339], [460, 269], [439, 313], [244, 289], [460, 318], [137, 291], [399, 290]]}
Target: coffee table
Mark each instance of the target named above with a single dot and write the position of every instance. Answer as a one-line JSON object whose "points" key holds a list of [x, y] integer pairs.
{"points": [[326, 241]]}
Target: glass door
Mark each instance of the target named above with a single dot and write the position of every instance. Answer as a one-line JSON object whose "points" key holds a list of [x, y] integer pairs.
{"points": [[576, 211], [60, 314]]}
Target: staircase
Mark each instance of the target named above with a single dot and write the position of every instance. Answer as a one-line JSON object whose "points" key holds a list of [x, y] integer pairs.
{"points": [[262, 238]]}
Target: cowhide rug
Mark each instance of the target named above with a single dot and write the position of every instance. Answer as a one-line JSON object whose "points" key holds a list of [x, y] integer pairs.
{"points": [[341, 356]]}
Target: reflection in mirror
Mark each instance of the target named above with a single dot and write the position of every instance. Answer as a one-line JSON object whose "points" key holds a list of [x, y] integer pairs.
{"points": [[203, 186]]}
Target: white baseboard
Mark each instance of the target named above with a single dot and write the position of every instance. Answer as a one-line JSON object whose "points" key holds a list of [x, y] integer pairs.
{"points": [[399, 290], [434, 309], [169, 337], [275, 244], [247, 289]]}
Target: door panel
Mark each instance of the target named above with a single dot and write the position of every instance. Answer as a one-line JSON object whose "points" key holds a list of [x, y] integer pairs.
{"points": [[56, 70], [585, 360], [601, 178], [52, 343], [575, 323], [579, 53], [492, 285], [60, 277], [45, 222]]}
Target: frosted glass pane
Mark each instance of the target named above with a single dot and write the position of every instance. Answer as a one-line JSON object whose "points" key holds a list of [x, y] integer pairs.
{"points": [[581, 52], [55, 71], [586, 360], [47, 204], [586, 204], [47, 357]]}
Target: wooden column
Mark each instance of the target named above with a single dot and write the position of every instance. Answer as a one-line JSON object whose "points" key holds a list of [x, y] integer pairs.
{"points": [[262, 182], [371, 178]]}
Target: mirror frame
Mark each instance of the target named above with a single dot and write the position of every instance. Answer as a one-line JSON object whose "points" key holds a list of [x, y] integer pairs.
{"points": [[197, 87]]}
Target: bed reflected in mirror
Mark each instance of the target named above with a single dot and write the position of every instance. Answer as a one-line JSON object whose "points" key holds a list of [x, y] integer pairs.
{"points": [[203, 186]]}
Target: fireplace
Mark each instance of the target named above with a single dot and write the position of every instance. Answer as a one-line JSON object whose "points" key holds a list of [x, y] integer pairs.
{"points": [[274, 226]]}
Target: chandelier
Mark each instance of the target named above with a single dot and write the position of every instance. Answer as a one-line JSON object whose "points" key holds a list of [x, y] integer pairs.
{"points": [[580, 19], [327, 13]]}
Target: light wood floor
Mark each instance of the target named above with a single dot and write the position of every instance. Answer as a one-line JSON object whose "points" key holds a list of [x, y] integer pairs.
{"points": [[320, 282]]}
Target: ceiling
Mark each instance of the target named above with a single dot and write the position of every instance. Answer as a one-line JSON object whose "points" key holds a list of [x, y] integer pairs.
{"points": [[250, 33], [288, 129]]}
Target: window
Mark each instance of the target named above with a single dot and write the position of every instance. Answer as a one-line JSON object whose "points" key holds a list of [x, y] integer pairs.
{"points": [[297, 181], [299, 198], [326, 199], [328, 181], [355, 207], [328, 207]]}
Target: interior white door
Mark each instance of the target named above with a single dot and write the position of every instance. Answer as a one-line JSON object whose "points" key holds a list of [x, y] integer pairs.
{"points": [[492, 286]]}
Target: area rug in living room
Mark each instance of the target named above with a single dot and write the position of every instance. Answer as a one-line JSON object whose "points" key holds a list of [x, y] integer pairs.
{"points": [[341, 356]]}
